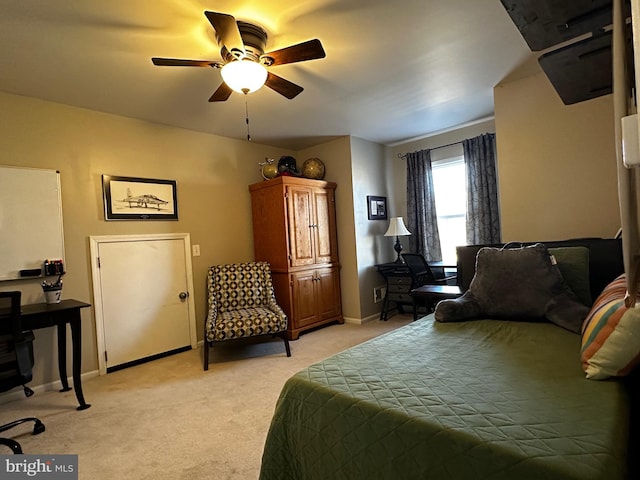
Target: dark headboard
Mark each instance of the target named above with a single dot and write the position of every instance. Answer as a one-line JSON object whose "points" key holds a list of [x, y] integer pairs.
{"points": [[605, 260]]}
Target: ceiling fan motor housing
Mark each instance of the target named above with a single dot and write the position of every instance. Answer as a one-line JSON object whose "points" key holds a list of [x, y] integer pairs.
{"points": [[254, 39]]}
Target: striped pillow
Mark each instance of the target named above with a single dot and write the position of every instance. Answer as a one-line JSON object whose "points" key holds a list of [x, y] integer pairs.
{"points": [[611, 334]]}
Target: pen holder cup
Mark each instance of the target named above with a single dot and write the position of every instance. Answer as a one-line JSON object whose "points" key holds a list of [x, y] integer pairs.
{"points": [[53, 295]]}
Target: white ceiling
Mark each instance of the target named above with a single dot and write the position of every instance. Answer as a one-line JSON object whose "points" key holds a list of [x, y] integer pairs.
{"points": [[393, 70]]}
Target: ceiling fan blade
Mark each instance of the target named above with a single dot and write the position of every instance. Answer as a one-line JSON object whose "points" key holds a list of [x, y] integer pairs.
{"points": [[177, 62], [301, 52], [228, 32], [282, 86], [221, 94]]}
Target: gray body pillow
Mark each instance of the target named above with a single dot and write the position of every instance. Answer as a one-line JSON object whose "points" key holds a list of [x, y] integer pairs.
{"points": [[516, 284]]}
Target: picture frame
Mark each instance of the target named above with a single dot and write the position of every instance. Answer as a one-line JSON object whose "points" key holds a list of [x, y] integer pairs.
{"points": [[132, 198], [376, 207]]}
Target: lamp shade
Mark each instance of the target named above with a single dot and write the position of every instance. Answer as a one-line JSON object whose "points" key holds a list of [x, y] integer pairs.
{"points": [[396, 228], [244, 76]]}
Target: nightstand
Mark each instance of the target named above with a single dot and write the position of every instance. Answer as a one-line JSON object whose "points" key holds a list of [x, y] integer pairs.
{"points": [[398, 280]]}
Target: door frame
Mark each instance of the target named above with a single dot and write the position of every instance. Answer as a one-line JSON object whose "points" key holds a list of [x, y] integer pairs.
{"points": [[94, 244]]}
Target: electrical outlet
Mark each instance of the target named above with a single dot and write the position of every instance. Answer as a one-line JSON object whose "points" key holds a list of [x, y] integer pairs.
{"points": [[195, 250], [379, 293]]}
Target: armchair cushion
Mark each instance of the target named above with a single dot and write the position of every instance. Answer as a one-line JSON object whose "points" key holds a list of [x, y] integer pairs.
{"points": [[247, 322], [240, 286]]}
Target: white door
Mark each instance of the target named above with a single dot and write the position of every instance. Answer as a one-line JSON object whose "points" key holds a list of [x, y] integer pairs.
{"points": [[142, 295]]}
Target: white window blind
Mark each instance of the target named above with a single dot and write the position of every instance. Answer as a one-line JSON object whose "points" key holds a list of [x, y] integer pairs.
{"points": [[450, 189]]}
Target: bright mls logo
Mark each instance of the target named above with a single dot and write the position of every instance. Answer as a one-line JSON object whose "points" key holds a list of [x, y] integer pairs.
{"points": [[56, 467]]}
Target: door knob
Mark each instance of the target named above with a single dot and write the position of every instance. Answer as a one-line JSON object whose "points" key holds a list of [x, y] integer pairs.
{"points": [[183, 295]]}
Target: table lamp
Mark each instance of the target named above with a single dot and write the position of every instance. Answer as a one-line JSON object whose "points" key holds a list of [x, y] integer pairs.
{"points": [[397, 229]]}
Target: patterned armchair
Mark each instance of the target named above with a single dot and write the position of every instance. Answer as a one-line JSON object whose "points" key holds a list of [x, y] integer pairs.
{"points": [[241, 303]]}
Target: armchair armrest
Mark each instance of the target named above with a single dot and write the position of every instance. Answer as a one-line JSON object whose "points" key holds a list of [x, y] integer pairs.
{"points": [[273, 305]]}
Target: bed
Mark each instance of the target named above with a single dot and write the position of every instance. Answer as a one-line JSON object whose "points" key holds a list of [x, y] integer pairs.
{"points": [[482, 399]]}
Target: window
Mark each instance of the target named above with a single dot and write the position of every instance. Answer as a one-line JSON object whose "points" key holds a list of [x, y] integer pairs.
{"points": [[450, 190]]}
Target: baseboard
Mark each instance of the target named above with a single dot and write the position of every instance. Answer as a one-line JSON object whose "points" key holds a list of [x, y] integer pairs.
{"points": [[360, 321], [18, 392]]}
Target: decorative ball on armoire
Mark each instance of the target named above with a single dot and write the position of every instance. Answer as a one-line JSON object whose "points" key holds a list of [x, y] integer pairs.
{"points": [[313, 168], [269, 169]]}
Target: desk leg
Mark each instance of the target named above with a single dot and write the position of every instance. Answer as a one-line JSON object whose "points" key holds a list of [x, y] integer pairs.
{"points": [[76, 340], [62, 356], [383, 312]]}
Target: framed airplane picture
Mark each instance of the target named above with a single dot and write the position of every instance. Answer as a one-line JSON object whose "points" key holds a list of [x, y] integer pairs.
{"points": [[130, 198]]}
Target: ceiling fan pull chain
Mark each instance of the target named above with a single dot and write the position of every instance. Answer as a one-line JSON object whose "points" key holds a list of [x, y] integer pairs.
{"points": [[246, 111]]}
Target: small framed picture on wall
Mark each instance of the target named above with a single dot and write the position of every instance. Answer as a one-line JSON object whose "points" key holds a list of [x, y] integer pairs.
{"points": [[377, 207]]}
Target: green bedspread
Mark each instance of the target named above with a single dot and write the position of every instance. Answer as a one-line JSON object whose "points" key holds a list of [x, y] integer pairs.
{"points": [[482, 399]]}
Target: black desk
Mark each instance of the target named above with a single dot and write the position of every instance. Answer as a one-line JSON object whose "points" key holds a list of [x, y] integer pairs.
{"points": [[43, 315], [431, 294], [443, 264]]}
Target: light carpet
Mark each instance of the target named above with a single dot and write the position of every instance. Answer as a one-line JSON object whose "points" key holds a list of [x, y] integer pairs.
{"points": [[169, 419]]}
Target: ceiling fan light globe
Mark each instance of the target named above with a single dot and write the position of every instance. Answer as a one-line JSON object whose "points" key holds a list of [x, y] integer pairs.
{"points": [[244, 76]]}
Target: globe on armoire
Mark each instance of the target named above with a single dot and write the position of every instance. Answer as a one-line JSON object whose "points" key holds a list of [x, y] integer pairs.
{"points": [[313, 168]]}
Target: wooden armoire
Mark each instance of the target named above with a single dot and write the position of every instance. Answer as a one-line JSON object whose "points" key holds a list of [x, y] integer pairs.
{"points": [[294, 229]]}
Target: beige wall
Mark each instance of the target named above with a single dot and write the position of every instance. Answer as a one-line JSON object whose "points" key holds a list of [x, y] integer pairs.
{"points": [[212, 173], [556, 163], [336, 155], [369, 178]]}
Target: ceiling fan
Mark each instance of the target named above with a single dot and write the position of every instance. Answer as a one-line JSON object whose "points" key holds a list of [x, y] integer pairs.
{"points": [[242, 47]]}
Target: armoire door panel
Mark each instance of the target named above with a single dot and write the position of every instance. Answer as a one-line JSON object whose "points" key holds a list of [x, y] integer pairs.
{"points": [[300, 230], [304, 305], [324, 238], [328, 293]]}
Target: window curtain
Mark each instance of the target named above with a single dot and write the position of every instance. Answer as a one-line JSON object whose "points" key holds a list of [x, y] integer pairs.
{"points": [[483, 215], [422, 221]]}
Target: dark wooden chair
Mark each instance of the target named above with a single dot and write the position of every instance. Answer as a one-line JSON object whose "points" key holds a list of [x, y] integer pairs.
{"points": [[422, 274]]}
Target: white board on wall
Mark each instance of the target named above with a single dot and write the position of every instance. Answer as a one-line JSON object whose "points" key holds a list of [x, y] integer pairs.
{"points": [[30, 219]]}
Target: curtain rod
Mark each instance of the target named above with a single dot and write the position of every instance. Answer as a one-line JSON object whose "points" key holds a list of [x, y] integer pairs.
{"points": [[434, 148]]}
